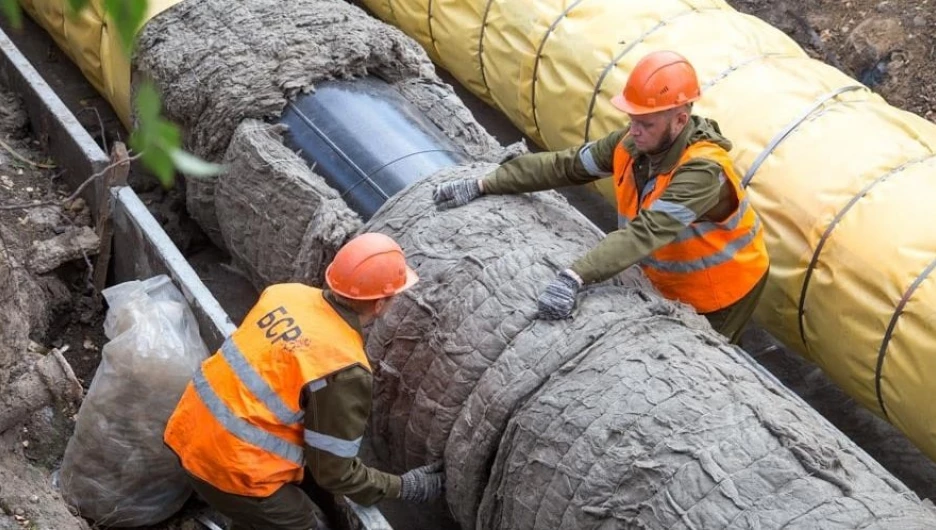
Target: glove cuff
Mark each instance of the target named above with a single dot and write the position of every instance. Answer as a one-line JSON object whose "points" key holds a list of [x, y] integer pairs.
{"points": [[408, 488], [571, 274]]}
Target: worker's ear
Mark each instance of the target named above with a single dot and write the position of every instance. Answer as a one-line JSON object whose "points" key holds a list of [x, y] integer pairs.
{"points": [[382, 305], [682, 116]]}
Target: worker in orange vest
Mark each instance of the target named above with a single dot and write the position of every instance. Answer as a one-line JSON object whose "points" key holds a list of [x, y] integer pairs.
{"points": [[682, 213], [277, 414]]}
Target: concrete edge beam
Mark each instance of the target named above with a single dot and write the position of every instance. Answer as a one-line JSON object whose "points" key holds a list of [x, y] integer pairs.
{"points": [[79, 156], [142, 249]]}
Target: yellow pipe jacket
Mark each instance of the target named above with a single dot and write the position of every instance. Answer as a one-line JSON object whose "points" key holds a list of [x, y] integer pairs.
{"points": [[89, 42]]}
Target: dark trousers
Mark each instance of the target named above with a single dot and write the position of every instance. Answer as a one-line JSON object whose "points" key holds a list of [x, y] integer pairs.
{"points": [[289, 508], [730, 321]]}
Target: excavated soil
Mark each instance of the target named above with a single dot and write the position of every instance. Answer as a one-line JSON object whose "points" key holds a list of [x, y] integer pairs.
{"points": [[38, 311], [889, 45]]}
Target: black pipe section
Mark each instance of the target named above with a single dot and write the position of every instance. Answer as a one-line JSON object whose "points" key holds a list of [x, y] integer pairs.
{"points": [[366, 140]]}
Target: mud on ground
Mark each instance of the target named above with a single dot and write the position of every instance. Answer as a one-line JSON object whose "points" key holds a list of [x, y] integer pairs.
{"points": [[43, 309], [889, 45]]}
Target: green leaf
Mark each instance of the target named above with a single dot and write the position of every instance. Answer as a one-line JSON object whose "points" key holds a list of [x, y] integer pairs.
{"points": [[155, 138], [159, 163], [127, 16], [75, 6], [192, 165], [11, 10], [148, 103]]}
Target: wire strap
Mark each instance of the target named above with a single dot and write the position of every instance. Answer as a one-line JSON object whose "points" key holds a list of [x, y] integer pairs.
{"points": [[791, 127], [432, 38], [487, 11], [835, 221], [536, 60], [890, 330], [733, 68]]}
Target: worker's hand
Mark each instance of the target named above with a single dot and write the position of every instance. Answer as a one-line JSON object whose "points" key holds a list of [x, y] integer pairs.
{"points": [[456, 193], [558, 300], [422, 484]]}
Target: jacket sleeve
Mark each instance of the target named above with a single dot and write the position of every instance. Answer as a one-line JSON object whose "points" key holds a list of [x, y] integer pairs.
{"points": [[555, 169], [335, 419], [693, 191]]}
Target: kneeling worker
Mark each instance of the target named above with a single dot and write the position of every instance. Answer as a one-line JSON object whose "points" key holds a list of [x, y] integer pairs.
{"points": [[682, 213], [278, 412]]}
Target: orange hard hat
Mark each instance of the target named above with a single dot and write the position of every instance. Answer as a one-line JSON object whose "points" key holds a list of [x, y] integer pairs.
{"points": [[368, 267], [662, 80]]}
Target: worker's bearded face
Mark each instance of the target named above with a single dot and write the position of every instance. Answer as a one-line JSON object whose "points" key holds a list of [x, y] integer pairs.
{"points": [[653, 133]]}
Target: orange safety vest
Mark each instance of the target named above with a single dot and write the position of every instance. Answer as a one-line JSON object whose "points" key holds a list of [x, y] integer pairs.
{"points": [[239, 425], [710, 265]]}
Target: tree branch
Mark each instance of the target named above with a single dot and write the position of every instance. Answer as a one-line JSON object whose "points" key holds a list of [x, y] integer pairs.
{"points": [[76, 193], [22, 158]]}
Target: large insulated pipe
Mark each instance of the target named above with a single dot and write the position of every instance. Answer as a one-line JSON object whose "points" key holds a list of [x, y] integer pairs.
{"points": [[634, 414], [841, 179], [366, 140]]}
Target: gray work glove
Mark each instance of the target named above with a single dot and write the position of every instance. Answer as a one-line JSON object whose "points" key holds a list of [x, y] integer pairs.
{"points": [[422, 484], [558, 300], [456, 193]]}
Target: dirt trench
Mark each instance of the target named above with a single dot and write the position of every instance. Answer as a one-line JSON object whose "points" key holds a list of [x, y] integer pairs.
{"points": [[47, 309]]}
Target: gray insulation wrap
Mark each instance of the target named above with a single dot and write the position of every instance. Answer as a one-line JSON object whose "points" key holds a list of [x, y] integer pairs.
{"points": [[632, 414], [218, 63], [282, 222]]}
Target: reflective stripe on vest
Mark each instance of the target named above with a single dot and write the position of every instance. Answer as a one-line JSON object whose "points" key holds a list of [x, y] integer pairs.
{"points": [[709, 265], [241, 428], [252, 380], [238, 426], [703, 227], [335, 446], [706, 262]]}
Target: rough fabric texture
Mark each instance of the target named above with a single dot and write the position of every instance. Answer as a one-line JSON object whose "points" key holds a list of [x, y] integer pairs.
{"points": [[632, 414], [282, 222], [218, 63]]}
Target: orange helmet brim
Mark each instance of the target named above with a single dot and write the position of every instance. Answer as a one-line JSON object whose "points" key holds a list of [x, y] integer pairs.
{"points": [[411, 279], [621, 103]]}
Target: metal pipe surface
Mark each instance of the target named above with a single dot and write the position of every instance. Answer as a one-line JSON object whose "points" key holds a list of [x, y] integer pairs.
{"points": [[366, 140]]}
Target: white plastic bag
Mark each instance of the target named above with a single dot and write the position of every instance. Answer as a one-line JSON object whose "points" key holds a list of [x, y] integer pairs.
{"points": [[116, 470]]}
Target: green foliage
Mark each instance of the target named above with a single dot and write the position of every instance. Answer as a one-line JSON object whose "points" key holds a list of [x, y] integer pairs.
{"points": [[75, 6], [11, 10], [156, 139], [127, 16]]}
